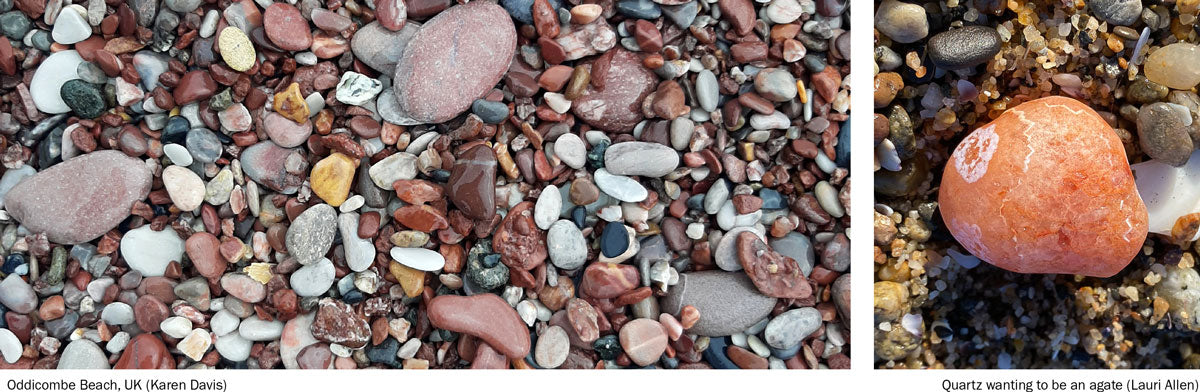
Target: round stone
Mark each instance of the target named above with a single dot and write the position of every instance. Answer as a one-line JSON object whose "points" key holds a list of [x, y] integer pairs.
{"points": [[640, 159], [184, 186], [789, 328], [286, 28], [70, 27], [1054, 166], [313, 279], [1163, 132], [964, 47], [1117, 12], [236, 49], [83, 98], [902, 22], [552, 347], [547, 207], [1166, 66], [643, 340], [149, 252], [570, 149], [614, 240], [418, 258], [567, 247], [311, 234]]}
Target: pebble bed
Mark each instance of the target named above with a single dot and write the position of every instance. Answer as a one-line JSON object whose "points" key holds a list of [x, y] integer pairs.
{"points": [[945, 68], [424, 184]]}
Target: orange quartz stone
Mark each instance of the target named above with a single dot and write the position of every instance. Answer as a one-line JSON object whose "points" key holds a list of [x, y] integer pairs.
{"points": [[1045, 188]]}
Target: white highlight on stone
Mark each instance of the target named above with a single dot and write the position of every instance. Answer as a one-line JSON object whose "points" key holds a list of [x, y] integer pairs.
{"points": [[1169, 192], [973, 154]]}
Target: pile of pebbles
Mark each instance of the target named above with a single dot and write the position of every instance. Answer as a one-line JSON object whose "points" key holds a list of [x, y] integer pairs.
{"points": [[424, 184], [946, 68]]}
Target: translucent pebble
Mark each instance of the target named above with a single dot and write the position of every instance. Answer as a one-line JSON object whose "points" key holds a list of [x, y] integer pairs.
{"points": [[1172, 66]]}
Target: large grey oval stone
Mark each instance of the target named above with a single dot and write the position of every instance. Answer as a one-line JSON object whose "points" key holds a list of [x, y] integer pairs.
{"points": [[640, 159], [727, 301], [311, 234], [80, 199]]}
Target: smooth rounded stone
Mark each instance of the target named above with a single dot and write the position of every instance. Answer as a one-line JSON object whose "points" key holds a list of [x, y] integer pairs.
{"points": [[643, 340], [360, 252], [286, 27], [54, 71], [16, 295], [620, 187], [183, 6], [486, 316], [84, 98], [1163, 132], [244, 287], [707, 91], [420, 259], [796, 246], [827, 196], [682, 14], [776, 120], [552, 347], [233, 347], [82, 353], [567, 247], [176, 327], [297, 334], [775, 84], [546, 210], [398, 166], [478, 37], [184, 186], [640, 159], [728, 302], [725, 255], [790, 328], [70, 27], [1165, 66], [964, 47], [640, 9], [614, 240], [281, 169], [618, 106], [380, 48], [1117, 12], [902, 22], [149, 252], [178, 154], [311, 234], [491, 112], [716, 197], [204, 145], [10, 346], [224, 322], [786, 11], [145, 351], [1021, 175], [571, 150], [236, 49], [356, 89], [258, 330], [314, 279], [472, 183], [15, 24], [117, 313]]}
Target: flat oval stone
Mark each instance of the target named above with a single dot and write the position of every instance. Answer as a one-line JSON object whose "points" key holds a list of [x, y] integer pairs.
{"points": [[486, 316], [472, 185], [236, 49], [620, 187], [1165, 66], [1045, 188], [80, 199], [204, 250], [380, 48], [547, 207], [360, 252], [567, 247], [184, 186], [643, 340], [244, 287], [51, 74], [728, 302], [17, 295], [280, 169], [1117, 12], [456, 57], [640, 159], [418, 258], [285, 132], [313, 279], [149, 252], [552, 347], [286, 28], [618, 106], [789, 328], [964, 47], [311, 234]]}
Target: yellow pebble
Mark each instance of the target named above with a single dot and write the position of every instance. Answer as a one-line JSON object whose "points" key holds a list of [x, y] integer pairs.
{"points": [[331, 178], [412, 280], [800, 91], [236, 49], [289, 103]]}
